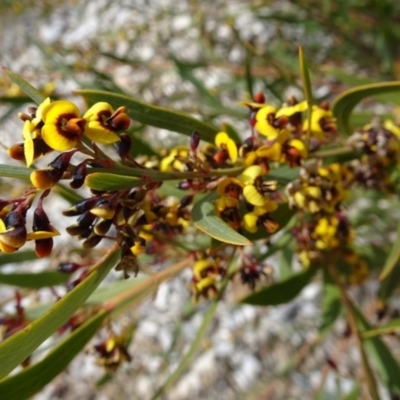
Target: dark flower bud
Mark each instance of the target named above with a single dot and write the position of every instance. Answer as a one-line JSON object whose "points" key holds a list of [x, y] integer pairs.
{"points": [[80, 207], [43, 247], [62, 161], [103, 209], [92, 241], [185, 201], [68, 267], [82, 225], [123, 147], [78, 176], [102, 227], [194, 141], [259, 97]]}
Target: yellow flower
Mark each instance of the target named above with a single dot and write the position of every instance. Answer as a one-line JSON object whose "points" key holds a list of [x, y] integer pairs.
{"points": [[174, 160], [224, 142], [103, 122], [231, 187], [254, 187], [263, 154], [288, 111], [63, 126], [295, 151], [265, 117], [227, 208], [260, 216], [322, 121]]}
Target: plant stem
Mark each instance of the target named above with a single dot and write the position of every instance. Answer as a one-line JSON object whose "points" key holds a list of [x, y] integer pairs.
{"points": [[335, 151], [163, 176], [352, 320]]}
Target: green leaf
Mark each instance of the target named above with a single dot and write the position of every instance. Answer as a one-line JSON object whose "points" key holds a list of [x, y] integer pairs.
{"points": [[390, 327], [392, 258], [33, 378], [33, 93], [344, 104], [18, 347], [305, 77], [11, 171], [153, 115], [106, 181], [205, 220], [17, 257], [285, 263], [106, 292], [331, 304], [283, 291], [382, 357], [34, 281]]}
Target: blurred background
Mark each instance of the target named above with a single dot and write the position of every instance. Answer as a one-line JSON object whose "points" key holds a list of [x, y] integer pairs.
{"points": [[203, 57]]}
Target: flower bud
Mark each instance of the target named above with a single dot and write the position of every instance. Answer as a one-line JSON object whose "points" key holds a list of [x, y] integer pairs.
{"points": [[46, 178], [102, 227], [68, 267], [103, 209], [80, 207], [194, 141], [123, 147], [79, 175], [92, 241]]}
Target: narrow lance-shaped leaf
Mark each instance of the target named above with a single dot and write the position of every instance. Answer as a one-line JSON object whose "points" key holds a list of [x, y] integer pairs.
{"points": [[12, 171], [18, 347], [283, 291], [34, 281], [381, 357], [105, 181], [17, 257], [205, 220], [33, 378], [392, 258], [344, 104], [305, 76], [153, 115], [331, 304], [33, 93]]}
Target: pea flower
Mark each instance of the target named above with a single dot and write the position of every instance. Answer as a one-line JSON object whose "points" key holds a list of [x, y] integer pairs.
{"points": [[228, 146], [322, 122], [255, 187], [103, 122], [265, 117], [260, 217], [227, 208], [63, 126], [230, 187]]}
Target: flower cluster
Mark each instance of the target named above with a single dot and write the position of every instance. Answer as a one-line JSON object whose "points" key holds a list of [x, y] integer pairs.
{"points": [[379, 144]]}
